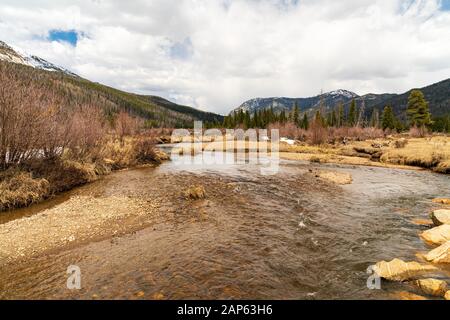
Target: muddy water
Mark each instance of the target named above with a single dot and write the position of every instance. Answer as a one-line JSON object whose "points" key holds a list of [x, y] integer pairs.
{"points": [[286, 236]]}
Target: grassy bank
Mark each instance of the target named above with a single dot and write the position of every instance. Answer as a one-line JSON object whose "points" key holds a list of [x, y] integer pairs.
{"points": [[399, 151], [31, 182]]}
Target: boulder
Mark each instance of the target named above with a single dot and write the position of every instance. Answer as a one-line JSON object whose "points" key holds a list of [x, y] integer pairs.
{"points": [[442, 200], [399, 270], [438, 235], [440, 217], [432, 287], [195, 193], [439, 255], [447, 295]]}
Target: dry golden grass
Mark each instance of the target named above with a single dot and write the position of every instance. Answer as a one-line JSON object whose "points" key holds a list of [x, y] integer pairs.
{"points": [[19, 189], [433, 153]]}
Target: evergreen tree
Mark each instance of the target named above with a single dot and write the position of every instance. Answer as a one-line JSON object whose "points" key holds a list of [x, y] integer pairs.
{"points": [[318, 118], [295, 116], [333, 119], [352, 115], [283, 116], [341, 115], [418, 111], [256, 122], [247, 120], [388, 119], [305, 122]]}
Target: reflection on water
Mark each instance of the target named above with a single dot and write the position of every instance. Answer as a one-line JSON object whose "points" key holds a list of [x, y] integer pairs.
{"points": [[286, 236]]}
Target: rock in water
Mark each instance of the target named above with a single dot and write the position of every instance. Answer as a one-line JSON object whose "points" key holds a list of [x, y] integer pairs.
{"points": [[335, 177], [404, 295], [440, 217], [399, 270], [432, 287], [438, 235], [195, 193], [447, 295], [442, 200], [440, 254]]}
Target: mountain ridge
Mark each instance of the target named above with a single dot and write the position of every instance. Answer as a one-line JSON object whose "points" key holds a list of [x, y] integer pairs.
{"points": [[438, 94], [157, 111]]}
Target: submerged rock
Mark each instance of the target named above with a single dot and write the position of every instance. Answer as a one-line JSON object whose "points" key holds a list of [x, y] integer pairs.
{"points": [[404, 295], [440, 254], [438, 235], [335, 177], [440, 217], [399, 270], [195, 193], [432, 287]]}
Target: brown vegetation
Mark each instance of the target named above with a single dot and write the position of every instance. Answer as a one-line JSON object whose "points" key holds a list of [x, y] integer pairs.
{"points": [[51, 142]]}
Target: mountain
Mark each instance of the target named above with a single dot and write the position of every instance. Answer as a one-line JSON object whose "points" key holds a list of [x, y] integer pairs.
{"points": [[438, 96], [157, 111], [9, 54], [282, 103]]}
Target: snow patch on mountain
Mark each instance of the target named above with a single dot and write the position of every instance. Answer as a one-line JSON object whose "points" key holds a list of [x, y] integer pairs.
{"points": [[17, 55]]}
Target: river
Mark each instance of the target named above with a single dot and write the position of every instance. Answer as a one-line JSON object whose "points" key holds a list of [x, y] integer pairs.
{"points": [[284, 236]]}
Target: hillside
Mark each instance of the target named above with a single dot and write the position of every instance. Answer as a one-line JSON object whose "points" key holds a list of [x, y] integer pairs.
{"points": [[156, 111], [438, 96]]}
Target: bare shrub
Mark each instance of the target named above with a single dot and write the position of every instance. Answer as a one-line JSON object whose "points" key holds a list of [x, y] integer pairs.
{"points": [[87, 133], [418, 132], [318, 134], [126, 125]]}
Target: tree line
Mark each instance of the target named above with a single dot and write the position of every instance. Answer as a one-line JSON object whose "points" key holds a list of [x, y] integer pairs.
{"points": [[417, 112]]}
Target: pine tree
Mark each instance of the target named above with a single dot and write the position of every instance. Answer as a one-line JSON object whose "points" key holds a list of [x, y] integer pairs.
{"points": [[295, 116], [418, 111], [341, 115], [388, 119], [352, 115], [256, 123], [318, 118], [305, 122], [247, 120], [333, 119], [283, 116]]}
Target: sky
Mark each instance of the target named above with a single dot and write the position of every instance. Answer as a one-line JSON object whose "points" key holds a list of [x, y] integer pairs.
{"points": [[216, 54]]}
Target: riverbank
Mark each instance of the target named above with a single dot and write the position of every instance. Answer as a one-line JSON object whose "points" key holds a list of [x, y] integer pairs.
{"points": [[33, 182]]}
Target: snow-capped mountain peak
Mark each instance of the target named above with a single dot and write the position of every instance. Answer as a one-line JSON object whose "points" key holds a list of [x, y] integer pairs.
{"points": [[342, 92], [16, 55]]}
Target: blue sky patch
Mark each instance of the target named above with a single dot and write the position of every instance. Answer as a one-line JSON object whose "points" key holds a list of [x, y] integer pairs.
{"points": [[445, 4], [70, 36], [182, 50]]}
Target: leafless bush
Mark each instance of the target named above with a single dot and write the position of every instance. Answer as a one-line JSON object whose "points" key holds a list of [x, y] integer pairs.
{"points": [[318, 134], [126, 125], [418, 132], [87, 132]]}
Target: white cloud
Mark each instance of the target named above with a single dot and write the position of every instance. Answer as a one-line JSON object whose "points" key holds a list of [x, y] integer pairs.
{"points": [[216, 54]]}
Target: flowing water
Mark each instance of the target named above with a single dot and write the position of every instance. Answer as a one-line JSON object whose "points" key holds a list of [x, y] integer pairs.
{"points": [[284, 236]]}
